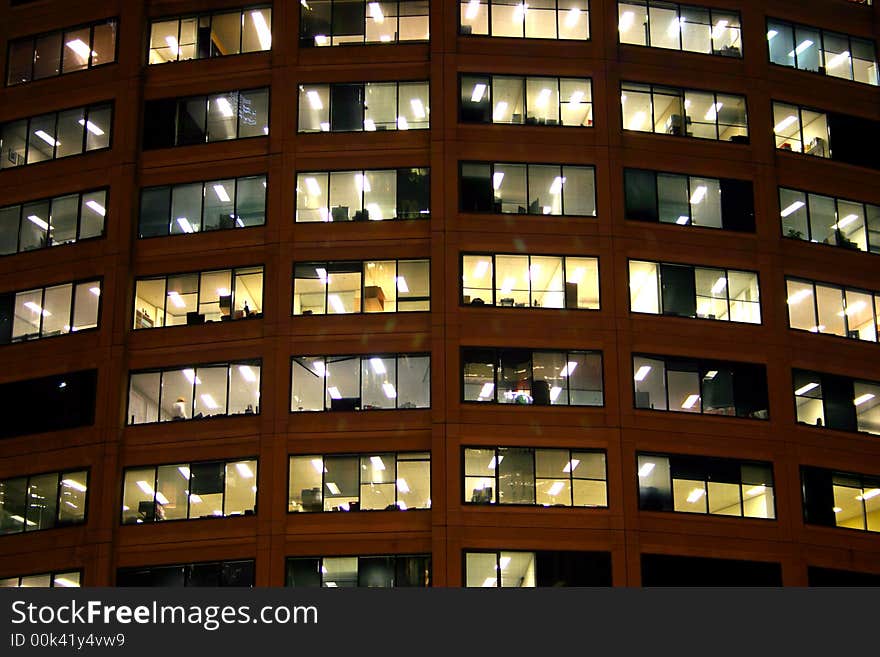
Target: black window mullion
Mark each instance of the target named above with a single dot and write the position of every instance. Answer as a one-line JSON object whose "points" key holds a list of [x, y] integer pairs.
{"points": [[79, 204], [72, 310], [529, 277], [651, 96], [494, 276], [42, 304], [561, 174], [396, 492], [727, 293], [742, 503], [192, 404], [202, 211], [228, 385], [496, 366], [361, 361], [241, 32], [528, 199], [809, 221], [717, 122], [156, 490], [59, 477], [681, 39]]}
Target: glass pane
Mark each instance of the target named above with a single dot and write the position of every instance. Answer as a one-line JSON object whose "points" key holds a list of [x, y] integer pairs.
{"points": [[29, 313], [345, 196], [584, 372], [829, 301], [702, 116], [579, 191], [138, 495], [343, 387], [177, 395], [186, 208], [241, 488], [56, 310], [665, 26], [244, 388], [13, 502], [307, 384], [210, 398], [478, 366], [62, 219], [42, 139], [341, 479], [476, 99], [860, 316], [85, 310], [163, 41], [689, 495], [712, 292], [104, 43], [380, 286], [801, 308], [215, 295], [815, 134], [516, 478], [542, 101], [414, 381], [413, 285], [414, 483], [481, 569], [517, 569], [9, 218], [823, 219], [793, 212], [250, 201], [77, 50], [806, 52], [13, 139], [256, 30], [787, 127], [143, 398], [632, 23], [253, 112], [378, 482], [314, 108], [637, 108], [72, 499], [545, 189], [867, 402], [222, 112], [808, 398], [512, 280], [780, 39], [206, 490], [508, 99], [413, 106], [697, 32], [576, 97], [34, 226], [42, 502], [378, 383], [644, 287], [21, 61], [225, 34], [47, 56], [172, 491], [672, 196], [305, 476], [582, 283]]}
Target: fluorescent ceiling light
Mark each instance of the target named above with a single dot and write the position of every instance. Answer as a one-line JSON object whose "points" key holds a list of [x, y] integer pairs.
{"points": [[874, 492], [690, 401], [161, 499], [178, 302], [220, 191], [794, 207], [799, 296], [854, 308], [756, 490], [195, 498], [481, 268], [172, 43], [556, 185], [479, 90], [504, 562], [418, 108], [486, 390], [91, 127], [35, 219], [75, 485], [572, 17], [315, 100], [571, 465], [695, 495], [378, 366], [389, 390], [803, 45], [713, 111], [47, 138], [638, 120], [144, 486], [569, 368], [264, 34], [699, 194], [224, 107], [674, 26], [490, 581], [519, 12], [497, 177], [95, 290], [499, 111], [244, 470], [333, 391], [711, 374], [313, 187], [376, 12], [320, 369], [646, 469], [247, 373], [321, 40], [184, 471], [322, 275], [719, 285], [861, 399], [96, 207], [846, 221], [210, 402], [377, 462], [318, 465], [32, 306], [80, 48], [577, 96], [837, 60], [369, 125], [771, 34], [626, 21], [362, 183], [494, 463], [336, 303], [642, 372], [473, 9], [402, 123], [543, 98], [555, 391], [401, 285], [577, 275], [333, 488], [720, 26], [556, 488], [805, 389], [325, 127], [190, 375], [818, 329], [185, 226], [784, 123], [682, 220], [63, 581]]}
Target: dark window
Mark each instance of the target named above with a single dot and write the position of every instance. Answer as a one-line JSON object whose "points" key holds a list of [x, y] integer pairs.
{"points": [[671, 570], [362, 571], [35, 502], [841, 499], [50, 403], [836, 402], [223, 573]]}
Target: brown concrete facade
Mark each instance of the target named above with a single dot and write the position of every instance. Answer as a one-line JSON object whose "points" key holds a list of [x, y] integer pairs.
{"points": [[102, 544]]}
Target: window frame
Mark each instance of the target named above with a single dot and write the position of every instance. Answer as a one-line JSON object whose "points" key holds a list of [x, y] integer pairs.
{"points": [[360, 456], [682, 91], [875, 298], [837, 200], [832, 472], [188, 464], [363, 286], [821, 376], [700, 365], [362, 84], [71, 314], [707, 461], [678, 9], [203, 183], [86, 109], [823, 58], [52, 576], [193, 366], [527, 165], [496, 477], [525, 80], [306, 42], [210, 15], [164, 277], [187, 567], [73, 28], [495, 365], [49, 200], [361, 359], [693, 268], [320, 559], [557, 11], [60, 475], [493, 255]]}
